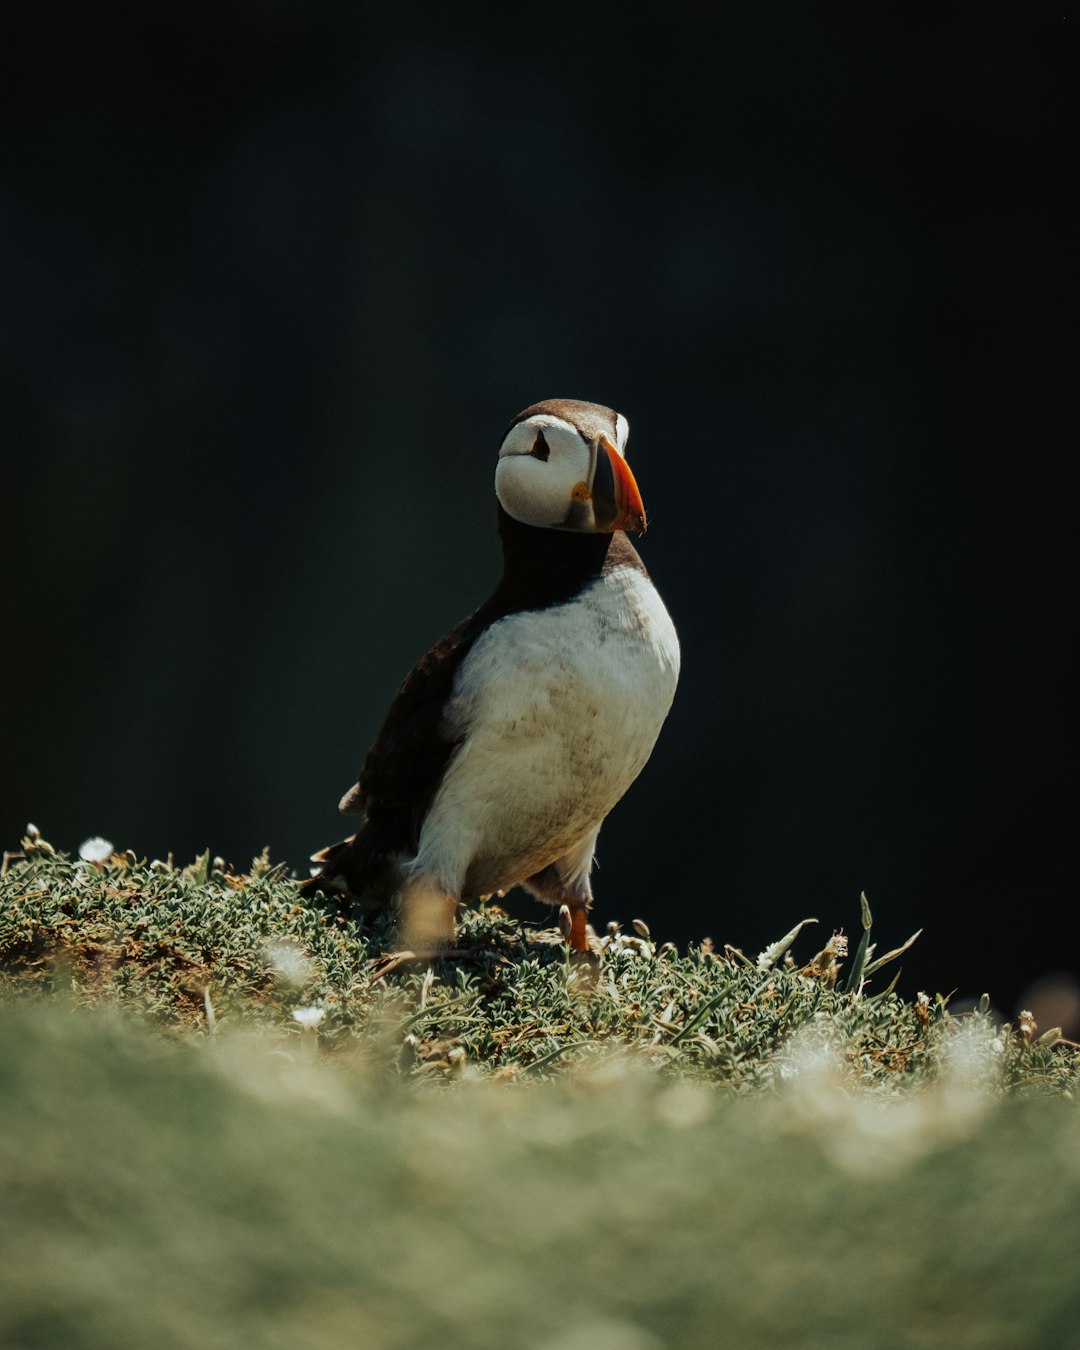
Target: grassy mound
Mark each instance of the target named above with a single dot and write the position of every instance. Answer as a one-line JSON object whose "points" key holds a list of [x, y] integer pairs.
{"points": [[201, 948], [220, 1128]]}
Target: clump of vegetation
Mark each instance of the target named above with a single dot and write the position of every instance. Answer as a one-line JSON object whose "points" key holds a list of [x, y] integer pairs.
{"points": [[199, 948], [222, 1124]]}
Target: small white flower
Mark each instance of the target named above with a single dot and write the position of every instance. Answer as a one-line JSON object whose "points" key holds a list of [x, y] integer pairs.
{"points": [[309, 1017], [95, 849], [288, 960]]}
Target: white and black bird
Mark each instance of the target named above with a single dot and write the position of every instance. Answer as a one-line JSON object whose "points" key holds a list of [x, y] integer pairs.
{"points": [[512, 739]]}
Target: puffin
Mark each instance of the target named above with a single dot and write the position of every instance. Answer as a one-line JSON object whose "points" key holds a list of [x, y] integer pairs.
{"points": [[508, 744]]}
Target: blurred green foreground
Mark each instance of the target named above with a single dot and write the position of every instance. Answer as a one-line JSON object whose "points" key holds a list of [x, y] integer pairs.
{"points": [[736, 1155]]}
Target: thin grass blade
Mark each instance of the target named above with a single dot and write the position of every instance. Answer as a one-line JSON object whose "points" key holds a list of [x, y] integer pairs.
{"points": [[858, 967]]}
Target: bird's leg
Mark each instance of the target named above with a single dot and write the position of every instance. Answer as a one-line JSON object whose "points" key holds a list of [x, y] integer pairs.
{"points": [[427, 915], [552, 889], [582, 958], [566, 882], [425, 927], [578, 936]]}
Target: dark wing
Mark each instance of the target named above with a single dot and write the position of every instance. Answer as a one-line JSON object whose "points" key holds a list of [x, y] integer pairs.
{"points": [[404, 766], [406, 763]]}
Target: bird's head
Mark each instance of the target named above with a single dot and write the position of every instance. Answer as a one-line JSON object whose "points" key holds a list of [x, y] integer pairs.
{"points": [[562, 466]]}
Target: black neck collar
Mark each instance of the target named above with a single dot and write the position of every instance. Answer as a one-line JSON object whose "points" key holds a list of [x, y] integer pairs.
{"points": [[547, 567]]}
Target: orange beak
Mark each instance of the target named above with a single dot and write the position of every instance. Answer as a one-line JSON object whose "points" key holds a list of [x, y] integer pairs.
{"points": [[617, 503]]}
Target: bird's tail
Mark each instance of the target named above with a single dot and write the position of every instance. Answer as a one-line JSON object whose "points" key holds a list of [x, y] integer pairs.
{"points": [[357, 870], [330, 874]]}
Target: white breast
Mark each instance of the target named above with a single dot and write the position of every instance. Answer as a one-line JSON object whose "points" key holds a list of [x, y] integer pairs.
{"points": [[559, 710]]}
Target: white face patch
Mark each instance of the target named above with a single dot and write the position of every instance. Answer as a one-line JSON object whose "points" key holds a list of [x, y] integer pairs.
{"points": [[535, 490]]}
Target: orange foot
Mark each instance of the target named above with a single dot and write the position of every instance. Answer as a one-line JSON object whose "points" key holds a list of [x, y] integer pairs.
{"points": [[574, 927]]}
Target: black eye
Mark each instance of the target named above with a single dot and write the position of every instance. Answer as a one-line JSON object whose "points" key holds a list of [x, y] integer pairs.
{"points": [[540, 448]]}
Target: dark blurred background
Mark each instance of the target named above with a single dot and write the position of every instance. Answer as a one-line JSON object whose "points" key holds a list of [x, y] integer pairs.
{"points": [[275, 276]]}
